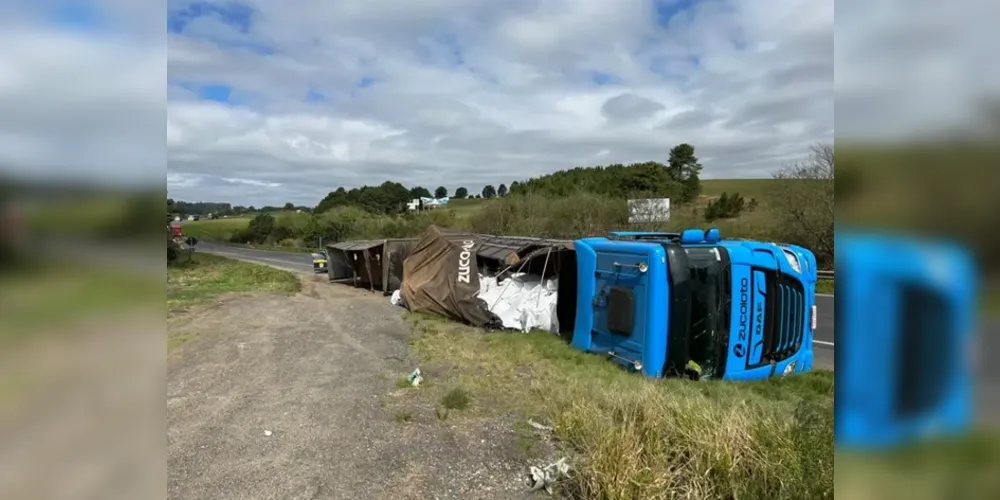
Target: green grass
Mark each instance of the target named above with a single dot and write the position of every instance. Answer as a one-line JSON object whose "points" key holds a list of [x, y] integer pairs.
{"points": [[48, 296], [463, 209], [456, 399], [632, 437], [824, 286], [215, 230], [711, 188], [208, 276], [748, 188]]}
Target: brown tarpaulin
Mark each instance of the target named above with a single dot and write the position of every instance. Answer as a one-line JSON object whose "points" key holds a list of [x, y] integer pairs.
{"points": [[440, 276]]}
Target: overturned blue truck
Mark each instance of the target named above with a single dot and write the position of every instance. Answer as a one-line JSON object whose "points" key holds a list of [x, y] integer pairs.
{"points": [[694, 305], [687, 304]]}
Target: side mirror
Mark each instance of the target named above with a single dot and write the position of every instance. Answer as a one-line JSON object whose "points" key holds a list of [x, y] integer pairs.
{"points": [[191, 241]]}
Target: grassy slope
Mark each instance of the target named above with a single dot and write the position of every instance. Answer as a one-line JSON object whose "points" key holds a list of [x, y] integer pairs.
{"points": [[630, 437], [209, 276], [221, 229]]}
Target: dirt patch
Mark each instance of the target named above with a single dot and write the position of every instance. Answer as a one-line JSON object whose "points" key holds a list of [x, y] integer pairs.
{"points": [[319, 370]]}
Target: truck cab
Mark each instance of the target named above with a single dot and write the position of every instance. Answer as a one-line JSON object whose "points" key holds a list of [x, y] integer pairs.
{"points": [[906, 347], [691, 304]]}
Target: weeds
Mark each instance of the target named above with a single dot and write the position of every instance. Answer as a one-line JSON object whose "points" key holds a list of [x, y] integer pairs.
{"points": [[455, 399], [633, 437]]}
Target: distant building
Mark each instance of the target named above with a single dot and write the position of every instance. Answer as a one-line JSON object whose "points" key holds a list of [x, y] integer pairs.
{"points": [[426, 203]]}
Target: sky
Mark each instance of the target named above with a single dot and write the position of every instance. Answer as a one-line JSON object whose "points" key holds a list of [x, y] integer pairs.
{"points": [[274, 101], [267, 101]]}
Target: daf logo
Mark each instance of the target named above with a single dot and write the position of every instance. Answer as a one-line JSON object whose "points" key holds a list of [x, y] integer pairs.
{"points": [[738, 349]]}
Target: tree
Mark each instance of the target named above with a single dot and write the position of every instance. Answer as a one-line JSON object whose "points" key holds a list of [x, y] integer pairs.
{"points": [[419, 192], [489, 191], [386, 198], [259, 229], [684, 168], [289, 207], [638, 180], [461, 193], [728, 206], [803, 200], [502, 190], [440, 192]]}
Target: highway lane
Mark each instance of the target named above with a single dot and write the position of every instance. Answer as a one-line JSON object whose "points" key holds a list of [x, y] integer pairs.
{"points": [[824, 338], [289, 261]]}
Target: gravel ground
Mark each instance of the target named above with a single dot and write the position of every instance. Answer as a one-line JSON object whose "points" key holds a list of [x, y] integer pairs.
{"points": [[318, 371]]}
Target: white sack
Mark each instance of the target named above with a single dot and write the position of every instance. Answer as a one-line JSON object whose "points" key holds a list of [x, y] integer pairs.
{"points": [[522, 302]]}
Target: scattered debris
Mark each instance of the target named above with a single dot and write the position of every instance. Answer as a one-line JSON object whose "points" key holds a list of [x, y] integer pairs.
{"points": [[397, 299], [541, 427], [546, 477], [267, 433], [415, 378]]}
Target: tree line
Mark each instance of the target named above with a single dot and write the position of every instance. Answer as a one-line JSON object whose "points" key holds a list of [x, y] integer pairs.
{"points": [[392, 197], [678, 179], [587, 200], [204, 208]]}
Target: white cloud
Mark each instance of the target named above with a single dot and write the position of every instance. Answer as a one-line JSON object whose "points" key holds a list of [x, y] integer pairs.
{"points": [[467, 92]]}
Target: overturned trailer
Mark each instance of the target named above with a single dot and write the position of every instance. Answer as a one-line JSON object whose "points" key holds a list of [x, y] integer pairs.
{"points": [[687, 304], [377, 264], [443, 274], [373, 264]]}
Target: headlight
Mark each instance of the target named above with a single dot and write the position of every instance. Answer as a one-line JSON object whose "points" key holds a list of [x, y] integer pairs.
{"points": [[793, 260], [789, 368]]}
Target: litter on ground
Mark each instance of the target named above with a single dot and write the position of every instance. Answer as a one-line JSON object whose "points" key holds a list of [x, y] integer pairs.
{"points": [[539, 426], [415, 378], [547, 477]]}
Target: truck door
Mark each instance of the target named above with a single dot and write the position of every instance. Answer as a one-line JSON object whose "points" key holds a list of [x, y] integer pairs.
{"points": [[621, 309]]}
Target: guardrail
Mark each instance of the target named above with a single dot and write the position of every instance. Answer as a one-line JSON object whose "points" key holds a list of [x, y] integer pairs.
{"points": [[824, 275]]}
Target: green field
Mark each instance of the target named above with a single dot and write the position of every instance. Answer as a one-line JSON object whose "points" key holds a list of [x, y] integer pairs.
{"points": [[207, 276], [215, 230], [749, 188]]}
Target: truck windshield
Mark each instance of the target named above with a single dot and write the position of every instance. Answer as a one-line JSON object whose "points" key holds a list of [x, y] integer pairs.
{"points": [[709, 312]]}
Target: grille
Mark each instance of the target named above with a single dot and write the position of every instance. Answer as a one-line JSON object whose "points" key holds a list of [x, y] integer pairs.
{"points": [[784, 317]]}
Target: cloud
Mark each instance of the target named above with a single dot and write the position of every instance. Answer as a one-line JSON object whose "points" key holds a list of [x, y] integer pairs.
{"points": [[466, 93], [629, 107], [302, 99]]}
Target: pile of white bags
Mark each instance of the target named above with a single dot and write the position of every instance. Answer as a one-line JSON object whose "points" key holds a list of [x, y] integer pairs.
{"points": [[522, 301]]}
